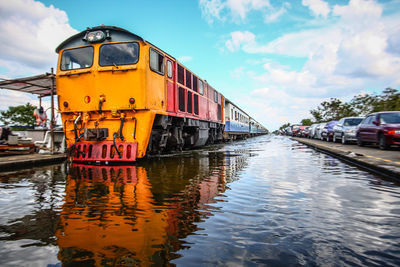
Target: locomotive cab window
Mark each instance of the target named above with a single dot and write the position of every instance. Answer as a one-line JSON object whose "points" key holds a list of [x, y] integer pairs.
{"points": [[169, 69], [77, 58], [119, 54], [201, 89], [156, 61]]}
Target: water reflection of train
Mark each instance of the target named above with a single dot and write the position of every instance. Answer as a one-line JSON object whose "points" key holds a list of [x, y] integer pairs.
{"points": [[124, 215]]}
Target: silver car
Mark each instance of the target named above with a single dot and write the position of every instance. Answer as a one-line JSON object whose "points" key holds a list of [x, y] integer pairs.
{"points": [[319, 129], [311, 130], [345, 129]]}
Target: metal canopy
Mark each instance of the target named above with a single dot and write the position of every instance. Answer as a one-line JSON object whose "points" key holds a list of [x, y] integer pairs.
{"points": [[39, 85], [42, 85]]}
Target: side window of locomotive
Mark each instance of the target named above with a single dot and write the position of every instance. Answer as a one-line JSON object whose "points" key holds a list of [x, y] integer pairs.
{"points": [[77, 58], [119, 54], [201, 88], [188, 79], [169, 69], [181, 99], [194, 83], [181, 75], [156, 61], [215, 97]]}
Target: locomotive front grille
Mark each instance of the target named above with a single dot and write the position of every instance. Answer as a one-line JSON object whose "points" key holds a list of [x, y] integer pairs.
{"points": [[104, 151]]}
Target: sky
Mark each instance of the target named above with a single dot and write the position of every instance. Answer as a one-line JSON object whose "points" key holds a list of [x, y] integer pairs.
{"points": [[277, 60]]}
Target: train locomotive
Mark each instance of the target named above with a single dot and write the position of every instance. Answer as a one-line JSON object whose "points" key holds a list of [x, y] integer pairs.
{"points": [[122, 98]]}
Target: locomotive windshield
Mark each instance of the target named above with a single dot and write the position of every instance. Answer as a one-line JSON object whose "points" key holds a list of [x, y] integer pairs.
{"points": [[77, 58], [119, 54]]}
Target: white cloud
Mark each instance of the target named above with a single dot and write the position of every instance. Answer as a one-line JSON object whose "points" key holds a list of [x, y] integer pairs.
{"points": [[273, 107], [237, 9], [274, 15], [14, 98], [318, 7], [239, 39], [344, 56], [358, 50], [30, 32], [212, 9]]}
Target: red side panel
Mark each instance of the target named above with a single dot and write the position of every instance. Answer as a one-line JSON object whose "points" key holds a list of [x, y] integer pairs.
{"points": [[170, 96], [203, 108]]}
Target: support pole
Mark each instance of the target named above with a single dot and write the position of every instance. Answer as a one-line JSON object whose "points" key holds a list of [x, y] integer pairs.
{"points": [[52, 112]]}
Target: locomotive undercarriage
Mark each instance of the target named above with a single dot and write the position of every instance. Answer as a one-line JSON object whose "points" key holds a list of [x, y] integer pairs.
{"points": [[176, 134]]}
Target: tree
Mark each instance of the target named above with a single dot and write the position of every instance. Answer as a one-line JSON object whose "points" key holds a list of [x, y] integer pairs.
{"points": [[284, 126], [306, 122], [390, 100], [365, 104], [334, 109], [387, 101], [21, 115]]}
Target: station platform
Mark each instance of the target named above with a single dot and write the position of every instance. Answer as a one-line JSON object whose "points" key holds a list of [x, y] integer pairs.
{"points": [[12, 162]]}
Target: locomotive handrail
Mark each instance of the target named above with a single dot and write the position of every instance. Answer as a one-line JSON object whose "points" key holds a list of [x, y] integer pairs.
{"points": [[76, 72], [119, 68]]}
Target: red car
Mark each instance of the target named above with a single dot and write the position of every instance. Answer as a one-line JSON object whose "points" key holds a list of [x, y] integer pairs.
{"points": [[382, 128]]}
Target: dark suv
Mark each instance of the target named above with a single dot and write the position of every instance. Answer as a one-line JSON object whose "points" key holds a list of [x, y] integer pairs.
{"points": [[382, 128]]}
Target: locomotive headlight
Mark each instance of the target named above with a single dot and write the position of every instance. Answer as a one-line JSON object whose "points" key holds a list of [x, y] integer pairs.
{"points": [[96, 36], [131, 101]]}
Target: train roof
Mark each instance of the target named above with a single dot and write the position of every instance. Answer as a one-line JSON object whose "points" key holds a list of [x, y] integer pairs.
{"points": [[79, 39], [250, 117]]}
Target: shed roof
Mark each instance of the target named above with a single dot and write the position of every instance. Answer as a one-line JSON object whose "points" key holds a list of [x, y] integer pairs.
{"points": [[39, 85]]}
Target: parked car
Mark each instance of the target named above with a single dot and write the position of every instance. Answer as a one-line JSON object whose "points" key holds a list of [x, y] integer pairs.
{"points": [[311, 130], [288, 130], [382, 128], [295, 130], [304, 131], [318, 130], [345, 129], [327, 131]]}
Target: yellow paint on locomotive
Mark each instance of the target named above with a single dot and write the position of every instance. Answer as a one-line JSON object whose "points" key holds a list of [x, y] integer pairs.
{"points": [[83, 89]]}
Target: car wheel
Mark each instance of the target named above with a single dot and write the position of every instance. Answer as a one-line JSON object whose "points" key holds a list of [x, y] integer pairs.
{"points": [[382, 142], [359, 141], [343, 139], [334, 138]]}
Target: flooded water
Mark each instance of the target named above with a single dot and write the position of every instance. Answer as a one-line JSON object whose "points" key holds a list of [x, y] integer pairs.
{"points": [[263, 201]]}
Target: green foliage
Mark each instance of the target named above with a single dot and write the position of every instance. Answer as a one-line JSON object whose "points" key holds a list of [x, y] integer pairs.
{"points": [[333, 110], [306, 122], [284, 126], [389, 100], [20, 115]]}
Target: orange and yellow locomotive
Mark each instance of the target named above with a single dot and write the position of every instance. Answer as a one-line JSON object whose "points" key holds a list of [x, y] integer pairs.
{"points": [[120, 98]]}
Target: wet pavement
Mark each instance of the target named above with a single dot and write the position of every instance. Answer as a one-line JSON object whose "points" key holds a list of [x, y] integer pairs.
{"points": [[263, 201], [383, 162]]}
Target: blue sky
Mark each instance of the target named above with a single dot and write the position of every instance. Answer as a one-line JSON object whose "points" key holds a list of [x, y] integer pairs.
{"points": [[275, 59]]}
